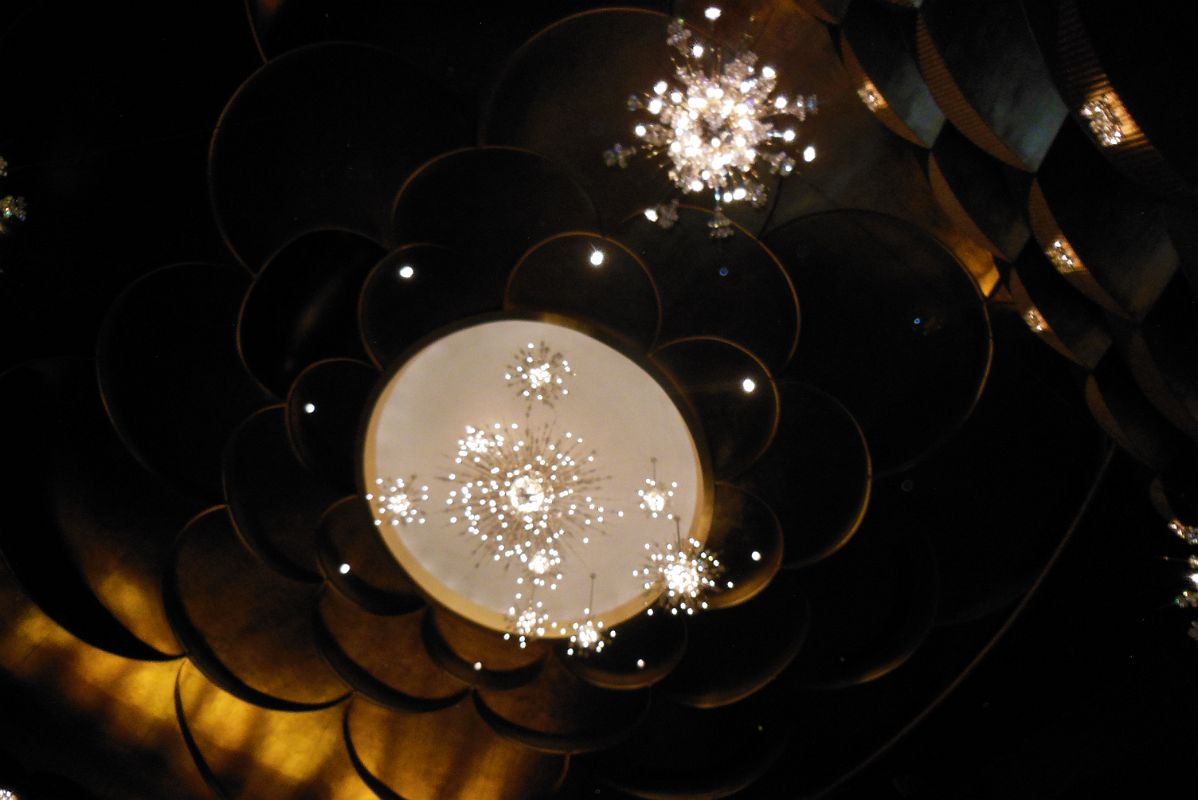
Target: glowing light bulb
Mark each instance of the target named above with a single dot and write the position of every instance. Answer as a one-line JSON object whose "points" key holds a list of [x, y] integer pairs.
{"points": [[309, 408], [712, 13], [597, 257], [344, 569], [809, 153], [651, 214], [768, 73], [406, 272], [748, 385], [697, 51]]}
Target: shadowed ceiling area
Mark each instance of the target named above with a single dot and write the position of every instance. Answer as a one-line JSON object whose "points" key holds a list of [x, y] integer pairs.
{"points": [[942, 385]]}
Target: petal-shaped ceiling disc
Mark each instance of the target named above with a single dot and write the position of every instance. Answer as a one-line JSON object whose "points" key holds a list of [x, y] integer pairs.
{"points": [[764, 634], [303, 306], [355, 560], [415, 290], [322, 137], [251, 751], [730, 288], [324, 409], [588, 277], [172, 378], [645, 650], [384, 658], [565, 95], [873, 602], [747, 536], [465, 200], [971, 503], [445, 754], [815, 476], [895, 328], [690, 752], [45, 660], [88, 530], [478, 655], [276, 502], [560, 713], [733, 394], [249, 628]]}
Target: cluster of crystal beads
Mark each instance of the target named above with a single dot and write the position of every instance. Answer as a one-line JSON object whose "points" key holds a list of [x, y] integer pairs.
{"points": [[1104, 120], [539, 374], [1187, 533], [715, 125], [11, 208], [1062, 257], [399, 501]]}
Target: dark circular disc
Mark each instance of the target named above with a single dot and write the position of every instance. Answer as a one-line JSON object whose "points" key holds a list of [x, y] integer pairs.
{"points": [[764, 634], [383, 657], [816, 475], [172, 378], [564, 95], [415, 290], [707, 285], [588, 277], [405, 755], [302, 306], [688, 752], [274, 500], [558, 712], [873, 602], [322, 137], [894, 327], [247, 627], [87, 531], [491, 204], [324, 411], [480, 656], [358, 564], [645, 650], [733, 394], [748, 538]]}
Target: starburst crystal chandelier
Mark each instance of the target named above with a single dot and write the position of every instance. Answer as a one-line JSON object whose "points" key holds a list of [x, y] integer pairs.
{"points": [[520, 490], [683, 572], [715, 126]]}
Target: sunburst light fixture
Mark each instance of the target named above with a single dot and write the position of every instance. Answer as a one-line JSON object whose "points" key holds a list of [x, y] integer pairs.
{"points": [[715, 126]]}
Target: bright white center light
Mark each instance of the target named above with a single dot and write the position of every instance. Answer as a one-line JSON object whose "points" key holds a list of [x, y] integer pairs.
{"points": [[597, 258], [527, 494], [748, 385], [406, 271], [712, 13], [655, 500]]}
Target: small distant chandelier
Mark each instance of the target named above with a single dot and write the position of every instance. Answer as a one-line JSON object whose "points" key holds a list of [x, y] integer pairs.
{"points": [[11, 208], [715, 126]]}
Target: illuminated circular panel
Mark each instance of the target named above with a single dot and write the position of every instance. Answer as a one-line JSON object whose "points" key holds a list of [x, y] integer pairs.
{"points": [[508, 461]]}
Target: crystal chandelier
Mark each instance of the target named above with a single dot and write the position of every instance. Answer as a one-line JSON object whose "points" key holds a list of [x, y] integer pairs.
{"points": [[10, 207], [535, 511], [715, 126]]}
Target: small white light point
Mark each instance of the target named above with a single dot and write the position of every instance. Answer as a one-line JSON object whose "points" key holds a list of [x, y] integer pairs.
{"points": [[640, 663], [651, 214], [478, 666], [640, 130], [809, 153], [788, 135], [748, 385], [660, 87], [780, 102], [696, 185], [697, 51], [768, 73], [309, 408], [406, 271], [597, 257], [755, 555], [344, 569], [654, 106], [712, 13]]}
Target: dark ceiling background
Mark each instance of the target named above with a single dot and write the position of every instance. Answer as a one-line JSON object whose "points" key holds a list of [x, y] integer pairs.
{"points": [[107, 116]]}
